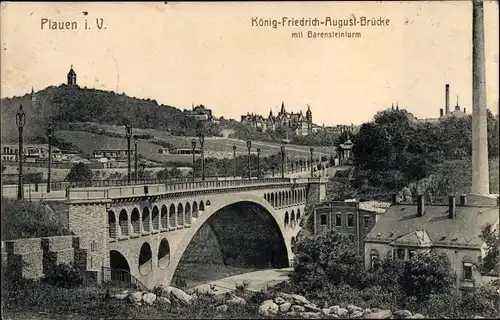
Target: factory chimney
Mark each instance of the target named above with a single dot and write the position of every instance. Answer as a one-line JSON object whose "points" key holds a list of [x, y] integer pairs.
{"points": [[447, 99], [480, 177]]}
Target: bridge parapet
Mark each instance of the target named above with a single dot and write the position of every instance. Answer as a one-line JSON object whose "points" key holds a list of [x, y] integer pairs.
{"points": [[159, 189]]}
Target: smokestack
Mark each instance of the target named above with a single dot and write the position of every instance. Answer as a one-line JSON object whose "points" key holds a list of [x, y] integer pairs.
{"points": [[420, 205], [463, 200], [480, 178], [451, 207], [465, 111], [394, 198], [447, 99], [440, 112]]}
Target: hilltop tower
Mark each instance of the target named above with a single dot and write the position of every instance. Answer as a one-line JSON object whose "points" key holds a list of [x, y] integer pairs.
{"points": [[309, 119], [33, 96], [71, 77], [480, 174]]}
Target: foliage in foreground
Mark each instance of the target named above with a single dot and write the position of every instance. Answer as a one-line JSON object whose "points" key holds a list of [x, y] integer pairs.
{"points": [[24, 219], [329, 270]]}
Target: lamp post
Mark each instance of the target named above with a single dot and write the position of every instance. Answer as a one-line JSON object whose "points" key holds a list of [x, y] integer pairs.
{"points": [[249, 146], [193, 148], [234, 161], [312, 172], [20, 121], [202, 140], [258, 163], [128, 131], [273, 168], [136, 172], [50, 131], [282, 162]]}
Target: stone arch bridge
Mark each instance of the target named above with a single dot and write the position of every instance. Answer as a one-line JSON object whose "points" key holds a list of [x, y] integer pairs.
{"points": [[147, 229]]}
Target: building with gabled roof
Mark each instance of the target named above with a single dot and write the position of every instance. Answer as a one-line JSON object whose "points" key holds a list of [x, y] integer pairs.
{"points": [[453, 229]]}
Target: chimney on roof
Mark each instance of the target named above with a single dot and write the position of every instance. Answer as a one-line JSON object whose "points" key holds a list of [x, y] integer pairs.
{"points": [[441, 112], [463, 200], [420, 205], [465, 110], [394, 198], [451, 207], [447, 99]]}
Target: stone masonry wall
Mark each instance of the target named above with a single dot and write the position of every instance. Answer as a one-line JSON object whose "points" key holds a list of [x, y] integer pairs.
{"points": [[89, 222], [32, 258]]}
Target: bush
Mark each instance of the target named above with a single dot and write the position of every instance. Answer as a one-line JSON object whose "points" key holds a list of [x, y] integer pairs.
{"points": [[24, 219], [65, 275], [79, 172]]}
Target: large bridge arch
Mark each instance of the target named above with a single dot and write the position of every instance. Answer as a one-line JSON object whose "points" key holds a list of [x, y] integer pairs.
{"points": [[217, 207]]}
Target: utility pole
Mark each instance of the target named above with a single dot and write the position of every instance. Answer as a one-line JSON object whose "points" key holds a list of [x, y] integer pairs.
{"points": [[128, 131], [50, 130], [20, 121]]}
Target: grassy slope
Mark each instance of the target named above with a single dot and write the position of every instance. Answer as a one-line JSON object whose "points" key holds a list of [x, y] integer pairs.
{"points": [[215, 147]]}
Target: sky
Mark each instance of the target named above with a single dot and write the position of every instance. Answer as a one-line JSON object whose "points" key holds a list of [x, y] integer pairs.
{"points": [[209, 53]]}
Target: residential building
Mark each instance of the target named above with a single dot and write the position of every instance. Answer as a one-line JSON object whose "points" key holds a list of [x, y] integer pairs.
{"points": [[300, 123], [406, 229], [31, 153], [350, 217], [200, 113], [111, 154]]}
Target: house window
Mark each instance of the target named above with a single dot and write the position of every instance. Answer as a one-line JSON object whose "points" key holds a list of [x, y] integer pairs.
{"points": [[467, 271], [367, 221], [400, 254], [323, 219], [374, 259], [338, 219], [350, 220]]}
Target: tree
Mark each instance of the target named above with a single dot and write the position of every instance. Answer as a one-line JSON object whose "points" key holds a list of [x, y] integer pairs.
{"points": [[329, 258], [425, 274], [79, 172], [491, 260]]}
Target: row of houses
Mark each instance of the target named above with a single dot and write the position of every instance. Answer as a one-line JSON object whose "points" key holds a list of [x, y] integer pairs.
{"points": [[35, 153], [392, 230]]}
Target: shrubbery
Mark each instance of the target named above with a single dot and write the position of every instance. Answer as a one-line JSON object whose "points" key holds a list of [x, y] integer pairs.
{"points": [[23, 219], [65, 275], [329, 269]]}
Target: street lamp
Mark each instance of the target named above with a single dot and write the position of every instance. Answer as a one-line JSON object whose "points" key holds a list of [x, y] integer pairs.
{"points": [[128, 131], [312, 172], [282, 162], [20, 121], [202, 140], [258, 163], [193, 148], [234, 161], [50, 131], [136, 172], [249, 146]]}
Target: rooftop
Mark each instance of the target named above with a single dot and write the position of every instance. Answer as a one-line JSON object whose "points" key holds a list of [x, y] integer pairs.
{"points": [[401, 220]]}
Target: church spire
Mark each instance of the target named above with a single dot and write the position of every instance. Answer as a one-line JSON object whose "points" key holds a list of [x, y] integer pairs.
{"points": [[393, 106], [283, 107], [397, 105]]}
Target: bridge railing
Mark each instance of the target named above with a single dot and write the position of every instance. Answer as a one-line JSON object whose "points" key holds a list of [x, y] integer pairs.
{"points": [[121, 276]]}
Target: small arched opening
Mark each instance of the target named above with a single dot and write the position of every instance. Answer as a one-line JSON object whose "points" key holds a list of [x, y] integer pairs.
{"points": [[135, 220], [145, 259], [172, 216], [123, 222], [180, 215], [112, 224], [146, 220], [292, 219], [287, 220], [298, 216], [187, 213], [195, 209], [202, 207], [164, 216], [164, 254], [155, 217]]}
